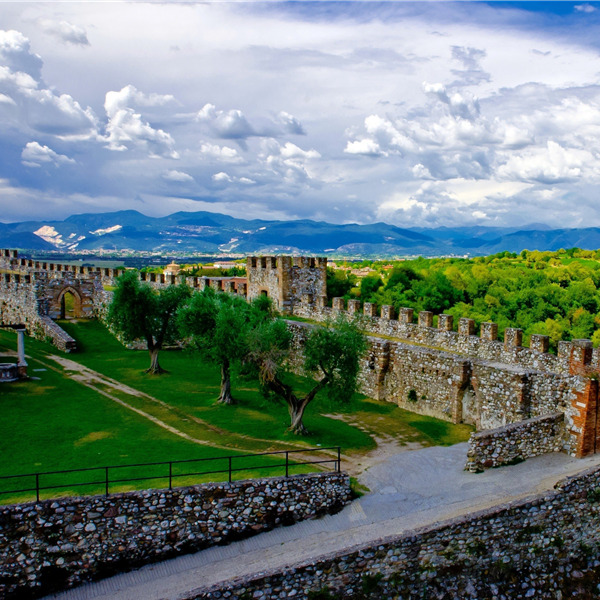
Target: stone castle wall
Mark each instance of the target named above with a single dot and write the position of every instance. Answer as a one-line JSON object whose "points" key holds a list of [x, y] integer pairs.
{"points": [[460, 389], [55, 544], [515, 442], [545, 547], [463, 342], [457, 376]]}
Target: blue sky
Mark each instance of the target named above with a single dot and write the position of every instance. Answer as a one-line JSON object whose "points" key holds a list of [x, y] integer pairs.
{"points": [[419, 114]]}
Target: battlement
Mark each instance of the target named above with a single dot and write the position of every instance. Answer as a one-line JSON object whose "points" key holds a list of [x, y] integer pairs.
{"points": [[288, 280], [577, 357], [278, 262], [10, 261]]}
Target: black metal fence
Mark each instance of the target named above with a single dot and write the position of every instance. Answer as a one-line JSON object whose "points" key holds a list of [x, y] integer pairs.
{"points": [[102, 478]]}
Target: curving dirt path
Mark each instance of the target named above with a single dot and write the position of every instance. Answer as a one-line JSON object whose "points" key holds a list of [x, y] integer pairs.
{"points": [[108, 387]]}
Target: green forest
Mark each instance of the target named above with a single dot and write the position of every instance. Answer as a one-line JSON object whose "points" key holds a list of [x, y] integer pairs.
{"points": [[551, 293]]}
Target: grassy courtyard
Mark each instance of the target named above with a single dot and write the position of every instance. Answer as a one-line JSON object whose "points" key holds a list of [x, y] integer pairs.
{"points": [[97, 407]]}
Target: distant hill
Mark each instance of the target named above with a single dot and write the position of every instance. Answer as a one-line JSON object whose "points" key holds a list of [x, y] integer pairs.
{"points": [[189, 232]]}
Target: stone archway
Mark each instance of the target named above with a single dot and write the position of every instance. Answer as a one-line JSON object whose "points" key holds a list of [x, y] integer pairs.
{"points": [[69, 302]]}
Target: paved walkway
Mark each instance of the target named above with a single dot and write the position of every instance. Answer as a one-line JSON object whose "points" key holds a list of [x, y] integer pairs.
{"points": [[408, 490]]}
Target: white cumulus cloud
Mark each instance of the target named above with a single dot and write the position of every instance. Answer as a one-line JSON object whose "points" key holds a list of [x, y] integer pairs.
{"points": [[224, 153], [127, 129], [231, 124], [178, 176], [31, 104], [36, 155]]}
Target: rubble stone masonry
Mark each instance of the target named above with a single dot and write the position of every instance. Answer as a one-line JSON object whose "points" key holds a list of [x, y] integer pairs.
{"points": [[56, 544], [545, 547], [461, 377]]}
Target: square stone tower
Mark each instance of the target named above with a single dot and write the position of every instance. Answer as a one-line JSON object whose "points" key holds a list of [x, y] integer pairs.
{"points": [[287, 280]]}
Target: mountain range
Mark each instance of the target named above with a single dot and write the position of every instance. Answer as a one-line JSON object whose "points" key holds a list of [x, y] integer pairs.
{"points": [[189, 232]]}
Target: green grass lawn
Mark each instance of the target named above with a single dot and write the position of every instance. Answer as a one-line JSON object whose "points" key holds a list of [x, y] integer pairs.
{"points": [[54, 422]]}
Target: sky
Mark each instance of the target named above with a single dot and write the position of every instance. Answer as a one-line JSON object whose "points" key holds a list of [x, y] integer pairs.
{"points": [[419, 114]]}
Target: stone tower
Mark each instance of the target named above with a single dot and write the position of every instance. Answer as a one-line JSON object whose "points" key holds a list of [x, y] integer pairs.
{"points": [[287, 280]]}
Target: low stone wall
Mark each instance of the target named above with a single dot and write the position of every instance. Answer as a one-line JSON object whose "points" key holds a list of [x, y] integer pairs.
{"points": [[545, 547], [515, 442], [47, 328], [56, 544]]}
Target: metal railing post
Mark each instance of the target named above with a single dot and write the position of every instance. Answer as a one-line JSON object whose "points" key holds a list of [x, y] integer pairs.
{"points": [[37, 487], [229, 457], [170, 475], [287, 463], [339, 459], [106, 480]]}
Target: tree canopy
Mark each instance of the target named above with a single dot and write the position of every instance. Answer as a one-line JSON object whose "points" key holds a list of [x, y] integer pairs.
{"points": [[552, 293], [138, 311], [217, 325], [330, 354]]}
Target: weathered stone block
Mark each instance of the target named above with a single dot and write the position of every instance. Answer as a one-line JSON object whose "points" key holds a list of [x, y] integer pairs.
{"points": [[425, 318], [338, 304], [353, 306], [466, 326], [406, 315], [445, 322], [370, 309], [387, 312], [513, 338], [489, 331], [582, 352], [539, 343]]}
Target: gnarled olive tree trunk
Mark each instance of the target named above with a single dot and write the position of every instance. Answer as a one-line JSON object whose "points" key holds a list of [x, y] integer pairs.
{"points": [[225, 396]]}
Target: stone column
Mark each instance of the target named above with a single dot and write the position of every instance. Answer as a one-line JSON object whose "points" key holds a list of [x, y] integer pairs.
{"points": [[406, 315], [581, 352], [22, 363], [513, 338], [539, 343], [387, 312], [338, 304], [370, 309], [353, 306]]}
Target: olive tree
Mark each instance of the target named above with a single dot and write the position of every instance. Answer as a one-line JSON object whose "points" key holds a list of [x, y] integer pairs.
{"points": [[139, 311], [216, 325], [330, 354]]}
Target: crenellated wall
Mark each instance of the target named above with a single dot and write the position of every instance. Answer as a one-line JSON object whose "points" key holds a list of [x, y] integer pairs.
{"points": [[463, 341], [32, 293], [460, 377]]}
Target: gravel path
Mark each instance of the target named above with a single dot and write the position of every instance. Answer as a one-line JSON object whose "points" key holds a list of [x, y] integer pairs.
{"points": [[408, 490]]}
